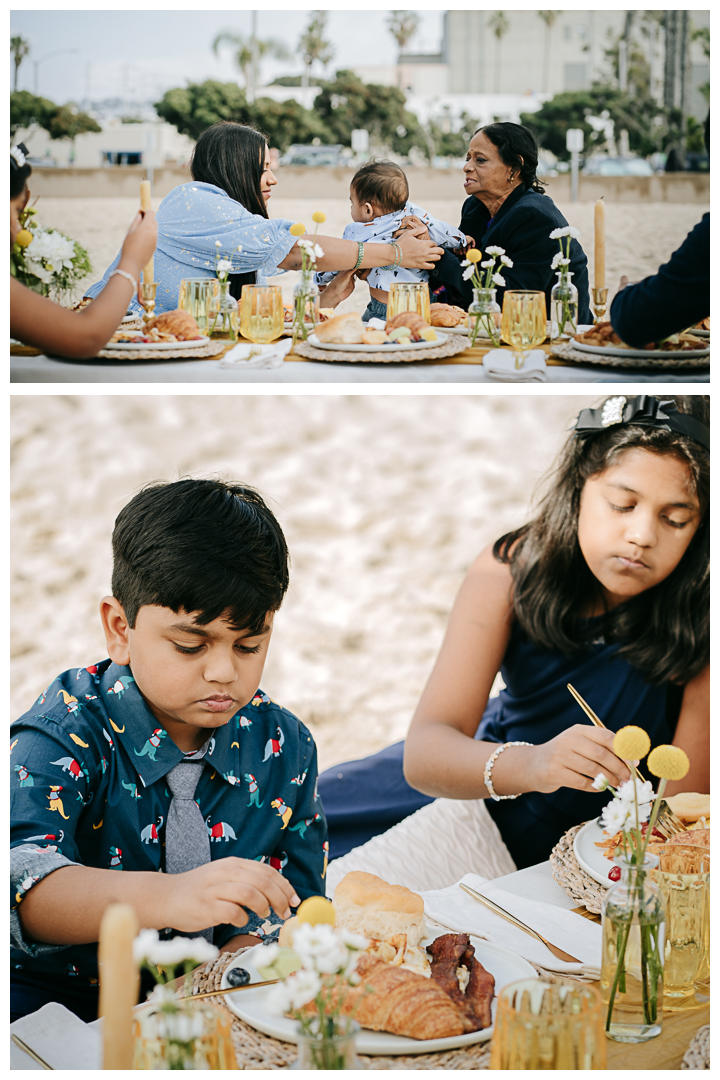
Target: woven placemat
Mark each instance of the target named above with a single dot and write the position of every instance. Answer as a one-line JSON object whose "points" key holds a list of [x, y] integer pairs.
{"points": [[567, 872], [697, 1055], [253, 1050], [451, 347], [566, 351], [213, 348]]}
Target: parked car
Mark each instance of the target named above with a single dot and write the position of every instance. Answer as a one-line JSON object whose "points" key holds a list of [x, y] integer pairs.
{"points": [[617, 166], [314, 155]]}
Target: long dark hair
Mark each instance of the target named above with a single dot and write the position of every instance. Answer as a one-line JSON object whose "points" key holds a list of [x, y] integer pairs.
{"points": [[232, 157], [19, 173], [518, 148], [665, 631]]}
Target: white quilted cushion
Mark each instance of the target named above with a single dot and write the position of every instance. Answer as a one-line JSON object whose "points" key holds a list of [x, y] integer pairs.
{"points": [[431, 849]]}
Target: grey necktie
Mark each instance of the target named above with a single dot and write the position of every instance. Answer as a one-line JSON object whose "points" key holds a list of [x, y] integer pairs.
{"points": [[187, 843]]}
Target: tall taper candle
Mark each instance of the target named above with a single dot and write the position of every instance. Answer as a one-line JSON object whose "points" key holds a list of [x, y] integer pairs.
{"points": [[599, 244], [146, 204], [119, 984]]}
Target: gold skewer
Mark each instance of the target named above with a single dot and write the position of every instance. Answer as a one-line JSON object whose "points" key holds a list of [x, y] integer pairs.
{"points": [[598, 723]]}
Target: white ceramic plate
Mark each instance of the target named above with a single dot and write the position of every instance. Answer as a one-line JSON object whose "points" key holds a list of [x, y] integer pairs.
{"points": [[591, 858], [700, 333], [340, 347], [155, 346], [504, 965], [641, 354]]}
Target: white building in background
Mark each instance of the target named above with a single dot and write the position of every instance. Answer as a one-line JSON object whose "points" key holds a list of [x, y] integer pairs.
{"points": [[150, 143]]}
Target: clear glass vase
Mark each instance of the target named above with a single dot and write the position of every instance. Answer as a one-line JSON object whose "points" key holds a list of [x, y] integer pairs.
{"points": [[223, 311], [481, 320], [306, 306], [563, 307], [633, 949], [332, 1049], [182, 1035]]}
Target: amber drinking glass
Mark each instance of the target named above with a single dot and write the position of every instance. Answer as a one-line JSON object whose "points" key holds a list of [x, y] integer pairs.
{"points": [[548, 1025], [524, 321], [409, 296], [197, 296], [687, 909], [261, 313]]}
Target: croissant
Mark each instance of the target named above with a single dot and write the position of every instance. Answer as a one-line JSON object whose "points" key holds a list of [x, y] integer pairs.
{"points": [[180, 323], [414, 322], [401, 1002], [445, 315]]}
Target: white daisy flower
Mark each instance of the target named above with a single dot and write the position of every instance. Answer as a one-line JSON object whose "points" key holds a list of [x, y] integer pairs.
{"points": [[498, 279], [494, 250], [224, 266], [556, 260], [506, 261], [218, 244], [468, 272], [614, 816], [556, 234], [488, 263], [600, 783]]}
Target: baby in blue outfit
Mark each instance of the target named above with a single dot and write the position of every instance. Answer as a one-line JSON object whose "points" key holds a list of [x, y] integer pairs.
{"points": [[378, 204]]}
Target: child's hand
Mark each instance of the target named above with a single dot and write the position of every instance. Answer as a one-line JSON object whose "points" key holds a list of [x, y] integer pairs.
{"points": [[415, 223], [574, 758], [218, 891], [341, 286], [140, 240]]}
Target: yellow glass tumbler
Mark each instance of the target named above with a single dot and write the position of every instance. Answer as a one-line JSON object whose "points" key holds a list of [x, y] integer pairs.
{"points": [[409, 296], [196, 296], [524, 321], [548, 1025], [261, 313], [687, 908]]}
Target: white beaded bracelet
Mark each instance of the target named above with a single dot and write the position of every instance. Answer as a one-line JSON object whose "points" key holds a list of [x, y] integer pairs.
{"points": [[127, 276], [487, 771]]}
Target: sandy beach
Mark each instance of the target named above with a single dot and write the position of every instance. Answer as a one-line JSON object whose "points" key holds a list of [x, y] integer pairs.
{"points": [[385, 501], [639, 236]]}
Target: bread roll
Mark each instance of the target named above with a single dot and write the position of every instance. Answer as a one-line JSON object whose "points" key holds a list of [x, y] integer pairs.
{"points": [[690, 805], [692, 838], [370, 906], [345, 329], [374, 337], [286, 931]]}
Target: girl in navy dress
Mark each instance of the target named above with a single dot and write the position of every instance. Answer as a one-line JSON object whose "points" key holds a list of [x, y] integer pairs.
{"points": [[606, 588]]}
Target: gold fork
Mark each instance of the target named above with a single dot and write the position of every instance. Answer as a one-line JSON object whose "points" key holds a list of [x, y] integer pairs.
{"points": [[521, 925], [667, 820]]}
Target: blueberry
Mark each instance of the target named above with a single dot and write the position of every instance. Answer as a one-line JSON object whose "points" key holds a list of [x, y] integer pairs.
{"points": [[238, 977]]}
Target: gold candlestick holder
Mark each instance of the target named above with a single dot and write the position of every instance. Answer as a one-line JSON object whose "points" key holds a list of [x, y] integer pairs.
{"points": [[146, 296], [599, 304]]}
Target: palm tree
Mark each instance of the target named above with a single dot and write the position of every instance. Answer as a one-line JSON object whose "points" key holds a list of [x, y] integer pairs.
{"points": [[499, 24], [403, 26], [313, 44], [19, 47], [671, 21], [244, 54], [549, 18]]}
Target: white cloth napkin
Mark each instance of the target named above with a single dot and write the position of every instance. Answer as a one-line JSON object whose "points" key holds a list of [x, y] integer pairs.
{"points": [[60, 1037], [572, 933], [376, 324], [248, 356], [499, 364]]}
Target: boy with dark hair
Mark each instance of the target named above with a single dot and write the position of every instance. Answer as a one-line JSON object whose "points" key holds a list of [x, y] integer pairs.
{"points": [[167, 756]]}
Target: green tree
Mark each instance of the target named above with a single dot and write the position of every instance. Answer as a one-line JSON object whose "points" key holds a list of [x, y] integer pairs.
{"points": [[549, 18], [19, 47], [499, 24], [67, 122], [242, 47], [347, 103], [314, 46], [449, 143], [403, 26], [27, 109], [286, 122]]}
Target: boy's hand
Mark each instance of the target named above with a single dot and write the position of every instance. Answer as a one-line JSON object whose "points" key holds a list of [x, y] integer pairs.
{"points": [[218, 891], [415, 223]]}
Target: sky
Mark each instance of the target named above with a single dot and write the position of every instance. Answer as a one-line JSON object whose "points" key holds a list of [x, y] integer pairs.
{"points": [[140, 54]]}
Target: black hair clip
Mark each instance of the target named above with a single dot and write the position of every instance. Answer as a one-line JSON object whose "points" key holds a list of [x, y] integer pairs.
{"points": [[645, 411]]}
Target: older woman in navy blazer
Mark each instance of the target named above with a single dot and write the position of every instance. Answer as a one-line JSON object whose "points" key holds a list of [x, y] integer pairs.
{"points": [[507, 207]]}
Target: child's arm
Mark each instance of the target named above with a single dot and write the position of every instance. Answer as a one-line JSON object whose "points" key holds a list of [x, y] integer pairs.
{"points": [[441, 756], [693, 735], [37, 321]]}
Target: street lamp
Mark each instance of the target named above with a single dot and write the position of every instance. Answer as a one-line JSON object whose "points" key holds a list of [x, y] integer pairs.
{"points": [[42, 59]]}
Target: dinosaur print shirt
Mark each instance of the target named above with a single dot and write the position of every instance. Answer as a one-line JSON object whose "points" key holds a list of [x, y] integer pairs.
{"points": [[88, 768]]}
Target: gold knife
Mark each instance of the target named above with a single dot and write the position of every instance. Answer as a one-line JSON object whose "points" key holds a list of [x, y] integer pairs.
{"points": [[30, 1052], [521, 925]]}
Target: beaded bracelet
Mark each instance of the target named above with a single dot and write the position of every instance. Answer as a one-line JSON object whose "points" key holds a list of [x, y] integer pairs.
{"points": [[487, 771], [398, 254], [361, 255], [127, 276]]}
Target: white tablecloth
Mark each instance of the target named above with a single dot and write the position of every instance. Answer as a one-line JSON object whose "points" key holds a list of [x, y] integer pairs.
{"points": [[43, 369]]}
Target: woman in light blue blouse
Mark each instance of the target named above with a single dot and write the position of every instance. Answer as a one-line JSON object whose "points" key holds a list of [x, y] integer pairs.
{"points": [[226, 201]]}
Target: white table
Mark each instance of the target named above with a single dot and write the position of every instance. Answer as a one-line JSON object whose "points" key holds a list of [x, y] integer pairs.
{"points": [[44, 369]]}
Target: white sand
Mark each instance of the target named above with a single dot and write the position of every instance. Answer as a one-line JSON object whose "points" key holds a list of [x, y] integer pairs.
{"points": [[385, 501], [639, 237]]}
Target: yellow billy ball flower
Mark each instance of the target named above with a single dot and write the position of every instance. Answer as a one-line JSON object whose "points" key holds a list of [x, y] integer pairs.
{"points": [[24, 238], [473, 255], [669, 762], [318, 217], [297, 229], [631, 743]]}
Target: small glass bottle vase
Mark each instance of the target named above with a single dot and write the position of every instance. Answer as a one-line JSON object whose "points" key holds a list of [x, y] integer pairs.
{"points": [[223, 312], [481, 321], [306, 306], [334, 1050], [633, 946], [563, 307]]}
